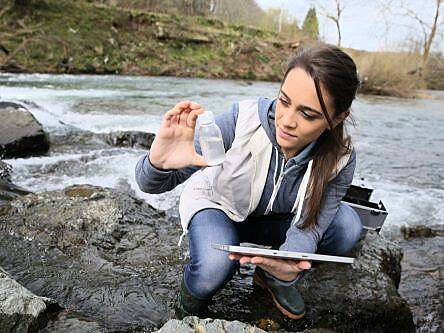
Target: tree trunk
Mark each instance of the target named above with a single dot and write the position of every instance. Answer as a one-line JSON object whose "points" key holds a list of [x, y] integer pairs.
{"points": [[339, 32], [429, 40]]}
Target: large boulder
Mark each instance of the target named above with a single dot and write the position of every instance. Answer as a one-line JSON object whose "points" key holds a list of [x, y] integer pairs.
{"points": [[97, 252], [20, 310], [422, 275], [21, 135], [113, 259]]}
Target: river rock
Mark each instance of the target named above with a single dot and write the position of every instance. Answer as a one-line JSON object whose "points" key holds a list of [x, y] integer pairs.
{"points": [[20, 310], [68, 322], [422, 231], [5, 171], [76, 140], [133, 139], [8, 190], [422, 276], [95, 251], [21, 135], [208, 325], [113, 259], [195, 324]]}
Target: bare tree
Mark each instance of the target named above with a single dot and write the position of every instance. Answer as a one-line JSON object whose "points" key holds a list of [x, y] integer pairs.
{"points": [[428, 26], [428, 29], [334, 15]]}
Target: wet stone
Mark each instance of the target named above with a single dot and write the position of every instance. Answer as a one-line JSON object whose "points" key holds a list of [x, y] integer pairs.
{"points": [[69, 322], [195, 324], [77, 139], [8, 190], [79, 191], [422, 281], [5, 171], [20, 310], [73, 256], [133, 139], [421, 231], [21, 135]]}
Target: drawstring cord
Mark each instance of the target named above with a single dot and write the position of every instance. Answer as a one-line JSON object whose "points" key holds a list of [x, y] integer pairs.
{"points": [[299, 202], [276, 184]]}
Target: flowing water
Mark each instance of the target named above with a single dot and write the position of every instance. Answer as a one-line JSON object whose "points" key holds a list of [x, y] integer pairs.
{"points": [[399, 142]]}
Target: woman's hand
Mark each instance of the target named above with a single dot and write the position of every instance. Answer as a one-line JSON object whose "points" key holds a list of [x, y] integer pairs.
{"points": [[282, 269], [173, 146]]}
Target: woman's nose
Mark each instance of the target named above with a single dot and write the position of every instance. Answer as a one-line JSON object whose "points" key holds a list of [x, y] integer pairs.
{"points": [[289, 121]]}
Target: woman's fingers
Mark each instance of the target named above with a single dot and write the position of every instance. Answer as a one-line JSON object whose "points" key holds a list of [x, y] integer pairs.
{"points": [[188, 118], [175, 119], [245, 260], [183, 118], [304, 264], [194, 106], [181, 109], [192, 117], [272, 263], [242, 259], [177, 109]]}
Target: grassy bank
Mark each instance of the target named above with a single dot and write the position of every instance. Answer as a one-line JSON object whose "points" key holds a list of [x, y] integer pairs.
{"points": [[80, 37], [398, 74]]}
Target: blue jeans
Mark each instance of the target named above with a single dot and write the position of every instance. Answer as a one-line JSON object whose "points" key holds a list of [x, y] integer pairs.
{"points": [[210, 269]]}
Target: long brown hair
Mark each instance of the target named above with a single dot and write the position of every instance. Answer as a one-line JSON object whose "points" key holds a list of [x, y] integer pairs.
{"points": [[332, 68]]}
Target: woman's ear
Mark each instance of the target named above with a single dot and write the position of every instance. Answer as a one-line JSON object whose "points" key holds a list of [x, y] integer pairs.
{"points": [[340, 118]]}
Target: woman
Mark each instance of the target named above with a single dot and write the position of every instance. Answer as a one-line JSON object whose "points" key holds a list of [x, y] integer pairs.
{"points": [[288, 165]]}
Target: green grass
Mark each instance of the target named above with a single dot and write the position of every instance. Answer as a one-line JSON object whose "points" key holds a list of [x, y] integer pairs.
{"points": [[80, 37]]}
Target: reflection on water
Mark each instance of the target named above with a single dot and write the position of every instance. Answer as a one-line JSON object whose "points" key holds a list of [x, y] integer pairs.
{"points": [[399, 142]]}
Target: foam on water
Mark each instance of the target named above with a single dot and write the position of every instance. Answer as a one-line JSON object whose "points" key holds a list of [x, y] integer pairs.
{"points": [[112, 167], [56, 116], [49, 92]]}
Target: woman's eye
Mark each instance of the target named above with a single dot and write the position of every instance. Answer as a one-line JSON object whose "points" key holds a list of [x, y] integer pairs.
{"points": [[283, 101], [307, 116]]}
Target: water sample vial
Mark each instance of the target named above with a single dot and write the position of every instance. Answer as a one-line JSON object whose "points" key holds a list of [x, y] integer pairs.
{"points": [[210, 139]]}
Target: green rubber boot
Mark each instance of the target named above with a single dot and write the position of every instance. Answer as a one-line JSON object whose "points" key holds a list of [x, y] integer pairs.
{"points": [[287, 298], [188, 305]]}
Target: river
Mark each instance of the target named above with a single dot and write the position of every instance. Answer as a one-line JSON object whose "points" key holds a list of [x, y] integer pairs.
{"points": [[399, 142]]}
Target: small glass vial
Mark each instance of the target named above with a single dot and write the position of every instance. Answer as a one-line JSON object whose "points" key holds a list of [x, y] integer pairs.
{"points": [[210, 139]]}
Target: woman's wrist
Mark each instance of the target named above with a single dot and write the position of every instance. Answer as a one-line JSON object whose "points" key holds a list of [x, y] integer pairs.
{"points": [[157, 164]]}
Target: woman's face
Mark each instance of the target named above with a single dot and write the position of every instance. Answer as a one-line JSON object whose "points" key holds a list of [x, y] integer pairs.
{"points": [[299, 119]]}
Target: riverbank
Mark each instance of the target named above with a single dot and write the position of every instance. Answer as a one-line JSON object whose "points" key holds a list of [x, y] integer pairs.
{"points": [[98, 39]]}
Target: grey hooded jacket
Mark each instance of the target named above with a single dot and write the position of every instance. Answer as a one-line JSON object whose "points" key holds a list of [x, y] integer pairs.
{"points": [[153, 180]]}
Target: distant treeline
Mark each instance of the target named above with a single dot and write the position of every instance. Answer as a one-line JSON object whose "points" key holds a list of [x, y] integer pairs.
{"points": [[244, 12]]}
